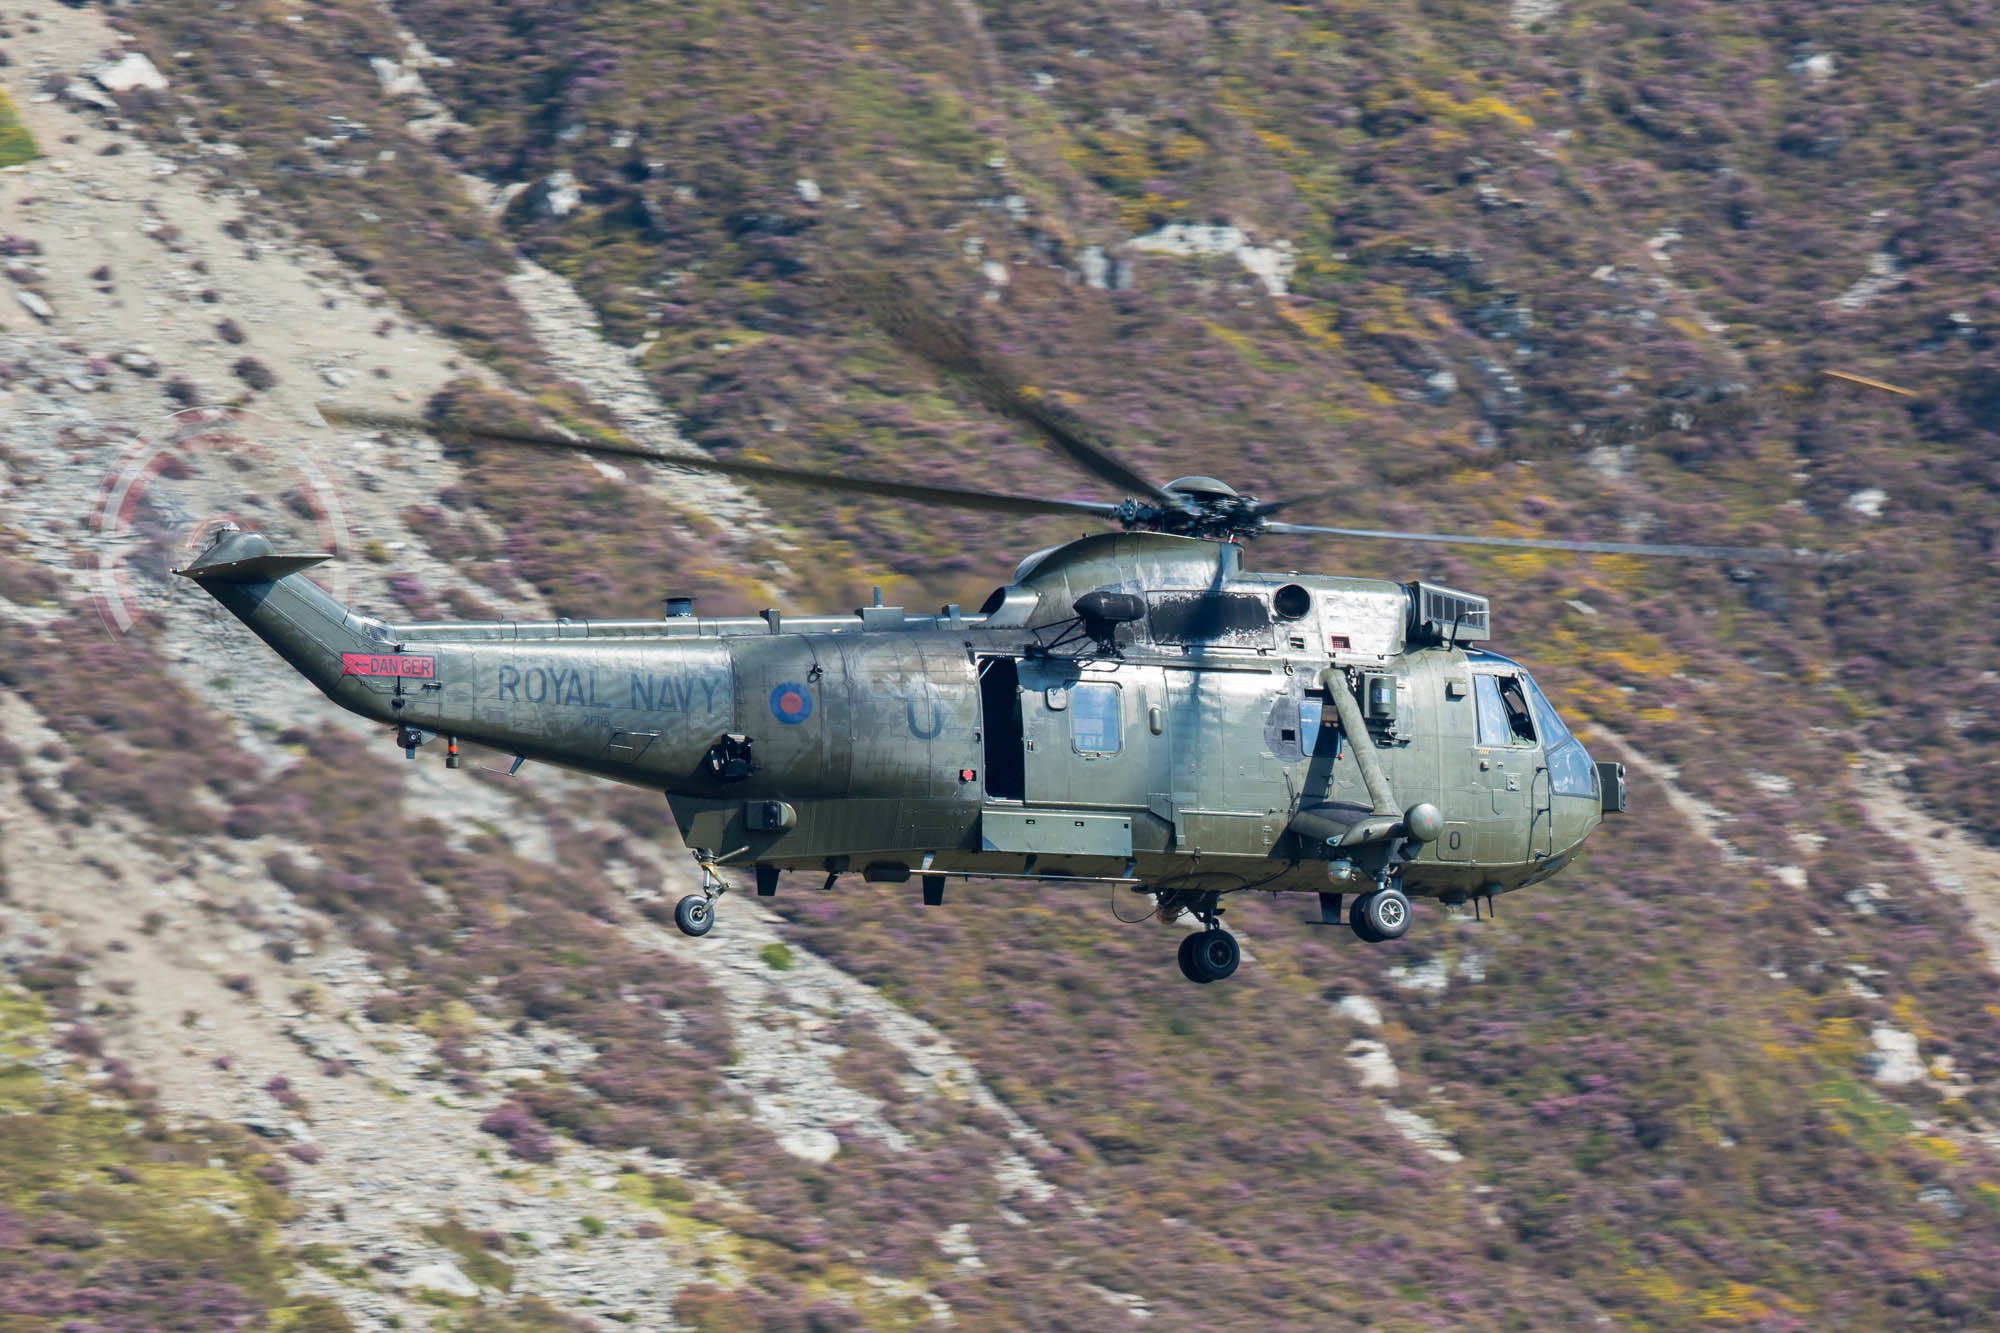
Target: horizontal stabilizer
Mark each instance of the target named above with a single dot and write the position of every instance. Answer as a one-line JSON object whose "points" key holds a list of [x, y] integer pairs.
{"points": [[247, 557]]}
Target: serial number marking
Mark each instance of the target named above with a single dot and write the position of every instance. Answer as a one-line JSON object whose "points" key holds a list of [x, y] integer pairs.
{"points": [[391, 664]]}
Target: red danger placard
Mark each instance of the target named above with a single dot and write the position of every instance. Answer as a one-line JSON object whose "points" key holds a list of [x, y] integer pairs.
{"points": [[391, 664]]}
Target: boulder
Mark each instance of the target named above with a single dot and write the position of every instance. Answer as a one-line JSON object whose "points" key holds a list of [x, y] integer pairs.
{"points": [[1894, 1059], [76, 90], [132, 72], [396, 81], [558, 195], [809, 1144]]}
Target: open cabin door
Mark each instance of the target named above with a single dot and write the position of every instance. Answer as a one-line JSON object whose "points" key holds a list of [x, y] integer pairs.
{"points": [[1000, 729], [1509, 781]]}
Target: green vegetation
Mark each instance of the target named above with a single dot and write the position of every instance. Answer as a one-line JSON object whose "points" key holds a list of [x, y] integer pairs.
{"points": [[776, 957], [479, 1253], [102, 1210], [16, 144], [532, 1315]]}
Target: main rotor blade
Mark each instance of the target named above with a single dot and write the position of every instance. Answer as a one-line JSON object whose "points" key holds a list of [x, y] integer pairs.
{"points": [[955, 496], [910, 322], [1745, 553], [1292, 502]]}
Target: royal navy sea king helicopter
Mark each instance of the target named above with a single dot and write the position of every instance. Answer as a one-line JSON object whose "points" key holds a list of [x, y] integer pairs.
{"points": [[1135, 707]]}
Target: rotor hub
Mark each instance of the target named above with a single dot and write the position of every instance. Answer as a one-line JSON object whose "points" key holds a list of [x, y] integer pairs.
{"points": [[1208, 508]]}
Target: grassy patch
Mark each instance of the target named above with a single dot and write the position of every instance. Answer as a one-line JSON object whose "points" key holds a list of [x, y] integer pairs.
{"points": [[478, 1252], [16, 144], [171, 1220]]}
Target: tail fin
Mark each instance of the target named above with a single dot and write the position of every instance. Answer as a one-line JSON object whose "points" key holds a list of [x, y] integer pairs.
{"points": [[218, 565], [264, 589]]}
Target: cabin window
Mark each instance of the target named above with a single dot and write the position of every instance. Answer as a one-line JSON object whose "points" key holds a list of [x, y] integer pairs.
{"points": [[1094, 723], [1503, 711], [1319, 733]]}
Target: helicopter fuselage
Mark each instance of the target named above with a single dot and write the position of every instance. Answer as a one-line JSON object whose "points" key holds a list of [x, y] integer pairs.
{"points": [[1189, 741]]}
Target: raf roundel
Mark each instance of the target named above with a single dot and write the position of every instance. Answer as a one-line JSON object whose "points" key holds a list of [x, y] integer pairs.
{"points": [[790, 703]]}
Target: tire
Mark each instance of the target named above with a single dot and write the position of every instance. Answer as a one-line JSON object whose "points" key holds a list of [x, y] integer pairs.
{"points": [[695, 915], [1190, 968], [1216, 954], [1388, 914], [1357, 919]]}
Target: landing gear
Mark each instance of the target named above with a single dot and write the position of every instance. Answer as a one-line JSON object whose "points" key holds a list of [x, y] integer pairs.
{"points": [[1209, 954], [1381, 915], [695, 915]]}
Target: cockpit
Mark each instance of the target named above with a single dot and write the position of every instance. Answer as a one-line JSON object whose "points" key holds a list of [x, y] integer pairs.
{"points": [[1513, 713]]}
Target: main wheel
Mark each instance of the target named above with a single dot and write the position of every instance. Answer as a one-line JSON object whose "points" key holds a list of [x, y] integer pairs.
{"points": [[1357, 919], [1387, 912], [695, 915], [1215, 954], [1189, 967]]}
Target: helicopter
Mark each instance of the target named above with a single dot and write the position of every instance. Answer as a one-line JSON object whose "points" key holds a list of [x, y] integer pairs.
{"points": [[1134, 707]]}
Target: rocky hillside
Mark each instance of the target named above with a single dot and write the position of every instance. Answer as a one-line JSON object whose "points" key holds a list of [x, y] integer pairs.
{"points": [[301, 1036]]}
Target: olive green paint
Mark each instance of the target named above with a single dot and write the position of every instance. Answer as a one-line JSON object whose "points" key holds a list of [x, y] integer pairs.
{"points": [[865, 725]]}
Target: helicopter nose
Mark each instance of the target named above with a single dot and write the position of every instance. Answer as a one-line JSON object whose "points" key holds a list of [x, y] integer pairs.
{"points": [[1583, 791]]}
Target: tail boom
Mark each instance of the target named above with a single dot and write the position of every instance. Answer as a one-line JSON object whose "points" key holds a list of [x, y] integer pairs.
{"points": [[347, 655]]}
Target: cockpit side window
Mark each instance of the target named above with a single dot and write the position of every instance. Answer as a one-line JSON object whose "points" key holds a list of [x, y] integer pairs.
{"points": [[1570, 771], [1519, 724], [1492, 713], [1554, 730], [1503, 711]]}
